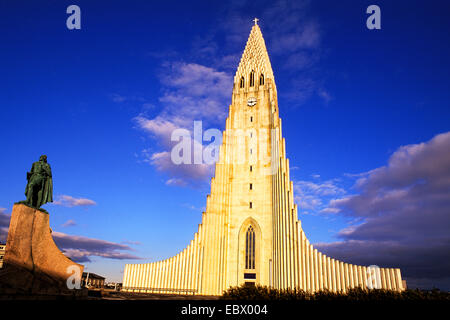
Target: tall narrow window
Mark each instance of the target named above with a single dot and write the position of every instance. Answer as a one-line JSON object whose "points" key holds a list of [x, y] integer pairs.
{"points": [[261, 79], [250, 248], [252, 78], [251, 205], [241, 84], [251, 168], [251, 186], [251, 119]]}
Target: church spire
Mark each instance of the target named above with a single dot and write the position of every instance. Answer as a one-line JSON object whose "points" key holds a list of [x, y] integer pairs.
{"points": [[254, 59]]}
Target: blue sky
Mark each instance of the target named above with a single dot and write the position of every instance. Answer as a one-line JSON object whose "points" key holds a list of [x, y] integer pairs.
{"points": [[101, 103]]}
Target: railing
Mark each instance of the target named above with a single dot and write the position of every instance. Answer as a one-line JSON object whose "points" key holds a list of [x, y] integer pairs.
{"points": [[155, 290]]}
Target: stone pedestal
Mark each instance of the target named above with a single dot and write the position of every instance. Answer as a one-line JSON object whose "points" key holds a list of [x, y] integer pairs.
{"points": [[33, 264]]}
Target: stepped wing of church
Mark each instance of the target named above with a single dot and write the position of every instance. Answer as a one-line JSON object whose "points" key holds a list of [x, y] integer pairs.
{"points": [[250, 232]]}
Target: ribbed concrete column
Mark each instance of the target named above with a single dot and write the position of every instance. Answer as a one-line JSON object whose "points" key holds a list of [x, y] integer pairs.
{"points": [[393, 280], [283, 231], [384, 280], [350, 276], [275, 215], [195, 263], [143, 277], [171, 284], [140, 276], [176, 267], [157, 285], [342, 276], [145, 280], [139, 279], [133, 275], [183, 270], [356, 276], [299, 256], [312, 268], [308, 269], [329, 275], [364, 276], [162, 272], [200, 275], [152, 276], [334, 276], [316, 271], [286, 228], [130, 275], [191, 266], [347, 275], [136, 277], [125, 277], [399, 279], [179, 270], [322, 273], [186, 267], [207, 265], [303, 255], [158, 275], [297, 276], [168, 276], [388, 278], [360, 277]]}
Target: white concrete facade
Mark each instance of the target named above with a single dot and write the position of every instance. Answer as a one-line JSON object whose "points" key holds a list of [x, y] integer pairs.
{"points": [[252, 188]]}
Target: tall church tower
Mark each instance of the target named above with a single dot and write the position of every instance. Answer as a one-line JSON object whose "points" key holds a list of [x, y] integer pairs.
{"points": [[250, 232]]}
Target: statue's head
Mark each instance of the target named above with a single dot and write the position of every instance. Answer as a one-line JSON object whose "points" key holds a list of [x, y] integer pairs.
{"points": [[43, 158]]}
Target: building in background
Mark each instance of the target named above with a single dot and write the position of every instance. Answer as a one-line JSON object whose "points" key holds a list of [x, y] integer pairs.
{"points": [[92, 281], [2, 253], [116, 286], [250, 232]]}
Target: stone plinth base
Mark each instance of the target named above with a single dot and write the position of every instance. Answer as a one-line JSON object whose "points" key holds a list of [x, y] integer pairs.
{"points": [[33, 264]]}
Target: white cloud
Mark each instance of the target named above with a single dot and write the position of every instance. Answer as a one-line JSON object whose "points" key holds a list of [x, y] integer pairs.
{"points": [[192, 92], [176, 182], [324, 95], [118, 98], [330, 210], [182, 174], [314, 196], [4, 224], [81, 249], [403, 210], [69, 223], [69, 201]]}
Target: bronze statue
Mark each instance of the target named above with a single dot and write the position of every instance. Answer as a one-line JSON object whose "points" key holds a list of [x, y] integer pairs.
{"points": [[39, 189]]}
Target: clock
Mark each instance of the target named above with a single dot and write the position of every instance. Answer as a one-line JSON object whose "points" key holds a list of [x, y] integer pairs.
{"points": [[251, 101]]}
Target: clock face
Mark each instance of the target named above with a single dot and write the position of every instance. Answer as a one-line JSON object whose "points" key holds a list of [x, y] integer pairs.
{"points": [[251, 102]]}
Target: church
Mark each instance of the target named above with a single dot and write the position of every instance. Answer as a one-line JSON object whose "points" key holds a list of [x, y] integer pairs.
{"points": [[250, 232]]}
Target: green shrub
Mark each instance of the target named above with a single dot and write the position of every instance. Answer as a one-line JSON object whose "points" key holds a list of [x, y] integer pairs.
{"points": [[259, 292]]}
